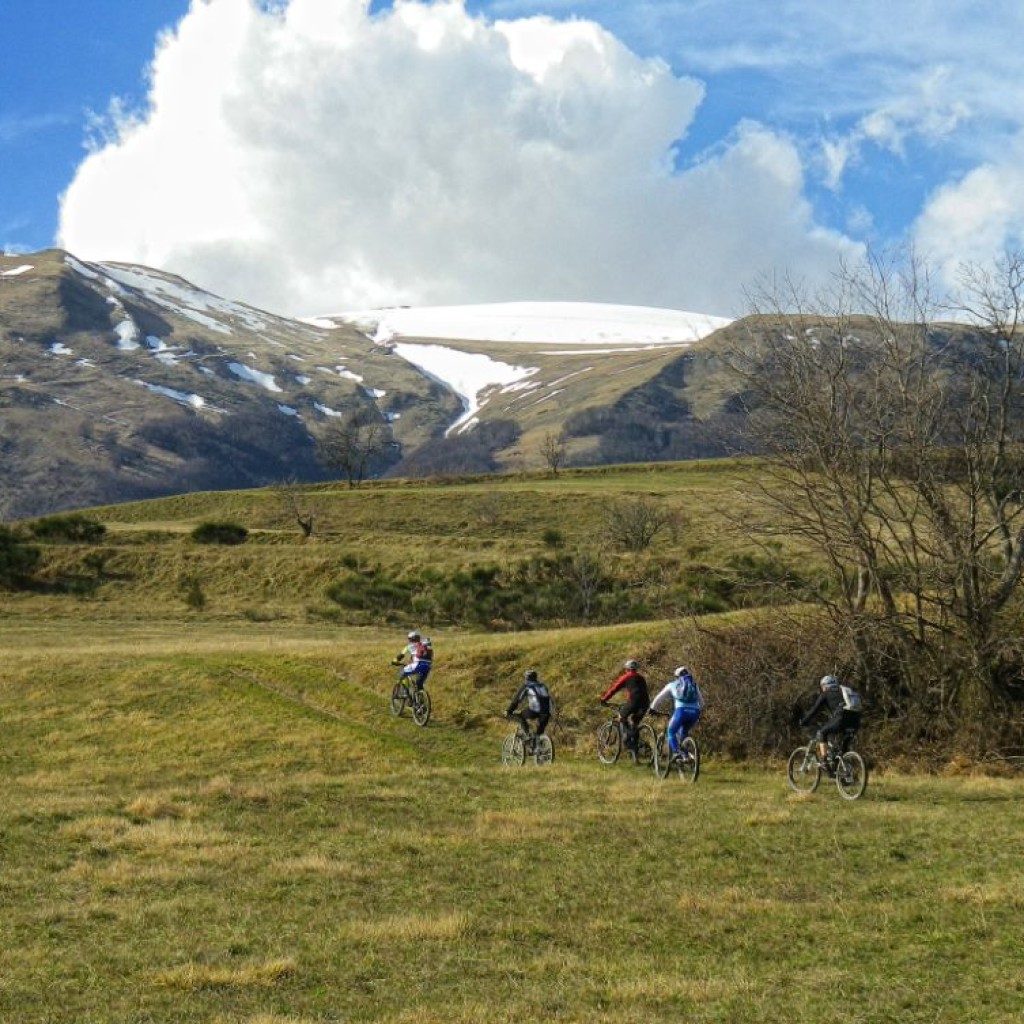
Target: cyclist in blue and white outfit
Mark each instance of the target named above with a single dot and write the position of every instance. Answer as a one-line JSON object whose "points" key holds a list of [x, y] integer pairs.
{"points": [[687, 706], [420, 655]]}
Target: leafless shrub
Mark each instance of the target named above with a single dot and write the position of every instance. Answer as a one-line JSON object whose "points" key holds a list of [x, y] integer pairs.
{"points": [[633, 523]]}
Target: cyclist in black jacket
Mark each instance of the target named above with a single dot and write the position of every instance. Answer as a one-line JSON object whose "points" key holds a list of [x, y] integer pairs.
{"points": [[840, 718], [538, 703]]}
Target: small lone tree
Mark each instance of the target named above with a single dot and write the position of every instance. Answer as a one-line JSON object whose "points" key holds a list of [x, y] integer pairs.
{"points": [[295, 504], [351, 443], [554, 452]]}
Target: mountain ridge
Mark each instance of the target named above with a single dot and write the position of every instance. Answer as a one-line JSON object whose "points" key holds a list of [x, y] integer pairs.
{"points": [[120, 382]]}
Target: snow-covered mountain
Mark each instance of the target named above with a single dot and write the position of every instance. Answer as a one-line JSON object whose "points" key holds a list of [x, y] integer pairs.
{"points": [[121, 381]]}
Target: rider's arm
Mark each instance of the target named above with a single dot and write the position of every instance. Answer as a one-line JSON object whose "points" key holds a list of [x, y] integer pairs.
{"points": [[515, 700], [815, 708], [614, 688], [666, 691]]}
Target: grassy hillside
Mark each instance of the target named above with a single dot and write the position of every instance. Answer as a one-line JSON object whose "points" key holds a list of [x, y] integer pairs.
{"points": [[227, 826], [394, 527]]}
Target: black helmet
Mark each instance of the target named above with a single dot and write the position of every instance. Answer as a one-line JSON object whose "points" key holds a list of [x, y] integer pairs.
{"points": [[530, 675]]}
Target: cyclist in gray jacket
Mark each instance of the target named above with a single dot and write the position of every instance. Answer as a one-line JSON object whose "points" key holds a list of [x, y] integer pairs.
{"points": [[537, 699]]}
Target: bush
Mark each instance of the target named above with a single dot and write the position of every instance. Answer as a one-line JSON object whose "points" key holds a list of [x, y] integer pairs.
{"points": [[191, 588], [18, 560], [69, 529], [759, 676], [220, 533]]}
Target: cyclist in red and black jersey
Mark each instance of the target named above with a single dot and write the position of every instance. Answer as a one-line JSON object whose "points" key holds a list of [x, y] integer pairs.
{"points": [[638, 699]]}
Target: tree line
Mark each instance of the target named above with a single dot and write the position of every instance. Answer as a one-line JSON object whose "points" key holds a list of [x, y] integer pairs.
{"points": [[891, 425]]}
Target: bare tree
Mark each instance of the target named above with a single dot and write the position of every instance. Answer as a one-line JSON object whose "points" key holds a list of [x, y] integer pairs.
{"points": [[554, 452], [894, 449], [586, 570], [351, 444], [295, 503]]}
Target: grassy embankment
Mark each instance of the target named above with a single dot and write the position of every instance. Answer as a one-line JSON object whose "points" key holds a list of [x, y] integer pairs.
{"points": [[388, 525], [211, 818]]}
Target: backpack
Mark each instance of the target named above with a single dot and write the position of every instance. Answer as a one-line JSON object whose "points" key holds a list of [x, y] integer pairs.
{"points": [[424, 651], [851, 699], [538, 696]]}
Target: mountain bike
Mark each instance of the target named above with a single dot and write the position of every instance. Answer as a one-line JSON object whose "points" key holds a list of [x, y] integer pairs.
{"points": [[415, 697], [686, 763], [847, 767], [613, 737], [519, 745]]}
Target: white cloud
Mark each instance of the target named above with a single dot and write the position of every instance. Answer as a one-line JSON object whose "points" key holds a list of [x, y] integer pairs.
{"points": [[979, 217], [315, 157], [929, 110]]}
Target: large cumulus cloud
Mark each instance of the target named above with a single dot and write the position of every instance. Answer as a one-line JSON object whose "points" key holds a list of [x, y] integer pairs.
{"points": [[312, 157]]}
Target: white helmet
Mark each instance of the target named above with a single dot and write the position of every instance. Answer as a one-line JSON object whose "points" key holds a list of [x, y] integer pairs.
{"points": [[828, 682], [681, 671], [632, 665], [413, 635]]}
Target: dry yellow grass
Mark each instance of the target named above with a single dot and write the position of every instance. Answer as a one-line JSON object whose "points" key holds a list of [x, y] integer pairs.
{"points": [[191, 977]]}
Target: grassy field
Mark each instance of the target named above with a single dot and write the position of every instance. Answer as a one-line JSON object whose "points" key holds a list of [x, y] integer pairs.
{"points": [[220, 822]]}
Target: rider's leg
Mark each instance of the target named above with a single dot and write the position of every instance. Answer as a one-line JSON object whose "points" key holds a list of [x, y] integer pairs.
{"points": [[832, 727], [690, 717], [408, 675], [624, 728], [820, 745], [422, 671], [633, 724], [675, 731]]}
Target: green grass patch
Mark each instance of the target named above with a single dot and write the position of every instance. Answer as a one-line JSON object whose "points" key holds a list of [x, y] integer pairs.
{"points": [[227, 825]]}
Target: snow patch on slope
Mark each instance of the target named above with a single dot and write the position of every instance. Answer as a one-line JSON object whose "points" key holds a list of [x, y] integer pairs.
{"points": [[563, 323], [468, 374]]}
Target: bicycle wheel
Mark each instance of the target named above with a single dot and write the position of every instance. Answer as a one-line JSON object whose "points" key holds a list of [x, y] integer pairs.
{"points": [[609, 743], [513, 753], [398, 698], [802, 771], [544, 750], [851, 775], [688, 763], [646, 744], [420, 707], [662, 756]]}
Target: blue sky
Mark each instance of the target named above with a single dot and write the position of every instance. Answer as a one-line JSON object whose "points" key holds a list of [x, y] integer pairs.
{"points": [[316, 155]]}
